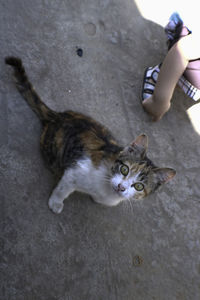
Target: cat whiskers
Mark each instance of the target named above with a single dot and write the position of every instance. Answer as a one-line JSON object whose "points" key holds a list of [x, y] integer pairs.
{"points": [[131, 205], [128, 205], [105, 178]]}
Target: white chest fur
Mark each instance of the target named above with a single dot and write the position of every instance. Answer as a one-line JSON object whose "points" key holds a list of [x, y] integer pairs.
{"points": [[86, 178], [95, 181]]}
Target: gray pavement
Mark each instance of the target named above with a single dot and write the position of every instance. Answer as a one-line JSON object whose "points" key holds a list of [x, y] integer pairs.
{"points": [[90, 252]]}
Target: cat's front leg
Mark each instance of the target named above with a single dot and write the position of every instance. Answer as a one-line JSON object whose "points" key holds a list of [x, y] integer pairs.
{"points": [[63, 189]]}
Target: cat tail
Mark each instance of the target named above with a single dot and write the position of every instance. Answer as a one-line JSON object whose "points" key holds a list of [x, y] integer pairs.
{"points": [[27, 91]]}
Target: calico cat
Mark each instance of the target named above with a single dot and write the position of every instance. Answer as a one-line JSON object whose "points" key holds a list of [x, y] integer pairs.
{"points": [[86, 158]]}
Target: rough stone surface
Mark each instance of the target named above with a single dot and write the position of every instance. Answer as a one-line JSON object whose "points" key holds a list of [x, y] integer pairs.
{"points": [[88, 252]]}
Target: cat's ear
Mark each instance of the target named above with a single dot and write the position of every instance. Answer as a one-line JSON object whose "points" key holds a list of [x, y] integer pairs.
{"points": [[163, 175], [139, 145]]}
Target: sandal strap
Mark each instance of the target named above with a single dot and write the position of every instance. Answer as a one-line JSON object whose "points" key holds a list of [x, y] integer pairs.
{"points": [[149, 81], [152, 73], [149, 85], [148, 91]]}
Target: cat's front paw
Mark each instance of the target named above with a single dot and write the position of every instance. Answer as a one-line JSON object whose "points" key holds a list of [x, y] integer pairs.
{"points": [[56, 207]]}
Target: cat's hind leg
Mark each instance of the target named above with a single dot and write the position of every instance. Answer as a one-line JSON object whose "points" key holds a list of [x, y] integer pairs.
{"points": [[63, 189]]}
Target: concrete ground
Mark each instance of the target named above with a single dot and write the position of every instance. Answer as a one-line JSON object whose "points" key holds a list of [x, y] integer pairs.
{"points": [[143, 251]]}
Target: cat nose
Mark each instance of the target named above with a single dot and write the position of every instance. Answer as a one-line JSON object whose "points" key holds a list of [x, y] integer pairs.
{"points": [[121, 188]]}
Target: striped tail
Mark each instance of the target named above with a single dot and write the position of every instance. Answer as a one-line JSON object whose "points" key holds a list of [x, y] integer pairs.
{"points": [[27, 91]]}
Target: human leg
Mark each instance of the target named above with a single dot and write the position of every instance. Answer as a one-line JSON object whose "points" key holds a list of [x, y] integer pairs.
{"points": [[171, 70], [192, 73]]}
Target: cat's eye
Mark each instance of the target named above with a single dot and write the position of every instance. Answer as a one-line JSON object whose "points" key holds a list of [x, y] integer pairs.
{"points": [[124, 169], [138, 186]]}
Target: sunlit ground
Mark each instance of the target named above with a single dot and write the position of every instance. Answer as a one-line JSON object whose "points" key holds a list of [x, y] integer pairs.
{"points": [[159, 11], [194, 116]]}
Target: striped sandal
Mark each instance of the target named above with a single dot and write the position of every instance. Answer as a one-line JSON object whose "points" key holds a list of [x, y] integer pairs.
{"points": [[149, 81]]}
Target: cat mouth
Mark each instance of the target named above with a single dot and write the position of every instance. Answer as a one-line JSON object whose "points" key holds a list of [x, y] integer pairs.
{"points": [[117, 191]]}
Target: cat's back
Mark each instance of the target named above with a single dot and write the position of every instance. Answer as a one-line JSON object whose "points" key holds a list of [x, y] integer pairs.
{"points": [[73, 136]]}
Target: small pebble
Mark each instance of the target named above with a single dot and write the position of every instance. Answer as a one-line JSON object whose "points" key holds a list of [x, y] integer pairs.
{"points": [[79, 52], [137, 261]]}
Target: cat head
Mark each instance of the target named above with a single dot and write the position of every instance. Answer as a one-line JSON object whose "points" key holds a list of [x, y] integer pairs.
{"points": [[134, 176]]}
